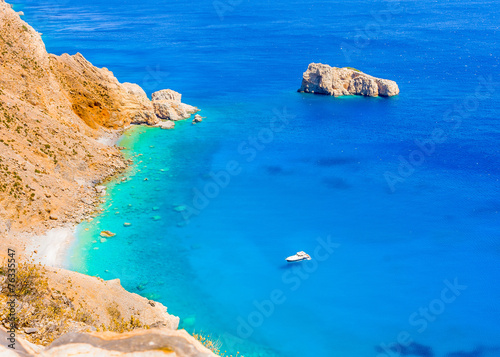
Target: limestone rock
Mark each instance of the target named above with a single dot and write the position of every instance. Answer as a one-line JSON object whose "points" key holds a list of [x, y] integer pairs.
{"points": [[116, 106], [323, 79], [65, 105], [100, 189], [167, 94], [170, 110], [167, 105], [166, 124], [137, 91]]}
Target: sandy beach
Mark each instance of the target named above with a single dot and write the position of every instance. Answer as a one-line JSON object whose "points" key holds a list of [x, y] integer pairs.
{"points": [[51, 248]]}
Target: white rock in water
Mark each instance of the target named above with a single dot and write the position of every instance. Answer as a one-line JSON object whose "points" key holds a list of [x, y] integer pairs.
{"points": [[166, 124], [323, 79], [165, 109], [167, 105]]}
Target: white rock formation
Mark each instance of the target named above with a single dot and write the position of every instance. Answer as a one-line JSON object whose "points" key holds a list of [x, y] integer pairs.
{"points": [[166, 124], [167, 105], [167, 94], [323, 79]]}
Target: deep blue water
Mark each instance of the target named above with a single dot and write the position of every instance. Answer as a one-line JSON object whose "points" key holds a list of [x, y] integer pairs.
{"points": [[407, 222]]}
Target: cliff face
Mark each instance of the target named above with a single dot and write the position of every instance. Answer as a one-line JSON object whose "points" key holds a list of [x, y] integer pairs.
{"points": [[54, 113], [54, 302], [53, 110], [323, 79], [97, 97], [62, 311]]}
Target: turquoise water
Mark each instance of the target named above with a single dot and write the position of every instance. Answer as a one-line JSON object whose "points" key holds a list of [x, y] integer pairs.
{"points": [[413, 226]]}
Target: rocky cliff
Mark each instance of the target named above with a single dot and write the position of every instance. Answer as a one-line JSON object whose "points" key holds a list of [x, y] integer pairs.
{"points": [[64, 313], [57, 115], [323, 79], [54, 111]]}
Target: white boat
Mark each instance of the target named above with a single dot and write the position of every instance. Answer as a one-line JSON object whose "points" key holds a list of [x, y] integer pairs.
{"points": [[298, 257]]}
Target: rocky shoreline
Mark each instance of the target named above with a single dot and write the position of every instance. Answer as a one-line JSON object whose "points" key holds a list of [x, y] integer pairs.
{"points": [[54, 112], [60, 117]]}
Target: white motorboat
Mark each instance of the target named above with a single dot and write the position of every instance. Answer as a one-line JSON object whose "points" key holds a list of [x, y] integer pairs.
{"points": [[298, 257]]}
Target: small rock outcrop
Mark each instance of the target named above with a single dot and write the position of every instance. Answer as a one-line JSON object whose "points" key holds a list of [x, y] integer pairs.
{"points": [[197, 119], [166, 124], [167, 105], [324, 79]]}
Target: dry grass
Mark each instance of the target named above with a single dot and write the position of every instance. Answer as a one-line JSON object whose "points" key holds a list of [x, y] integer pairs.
{"points": [[48, 310], [120, 324], [213, 344]]}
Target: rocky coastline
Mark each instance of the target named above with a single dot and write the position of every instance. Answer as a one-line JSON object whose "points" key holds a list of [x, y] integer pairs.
{"points": [[54, 112], [60, 117]]}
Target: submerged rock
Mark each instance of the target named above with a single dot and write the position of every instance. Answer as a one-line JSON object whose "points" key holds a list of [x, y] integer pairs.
{"points": [[107, 234], [323, 79], [152, 296], [189, 321], [166, 124], [180, 208]]}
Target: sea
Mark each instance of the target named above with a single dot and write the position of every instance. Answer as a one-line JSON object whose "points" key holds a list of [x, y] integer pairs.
{"points": [[395, 199]]}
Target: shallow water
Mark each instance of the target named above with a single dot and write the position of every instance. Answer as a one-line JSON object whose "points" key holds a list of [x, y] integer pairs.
{"points": [[323, 173]]}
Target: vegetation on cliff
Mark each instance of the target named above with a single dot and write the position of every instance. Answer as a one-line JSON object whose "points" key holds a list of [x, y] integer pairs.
{"points": [[44, 312]]}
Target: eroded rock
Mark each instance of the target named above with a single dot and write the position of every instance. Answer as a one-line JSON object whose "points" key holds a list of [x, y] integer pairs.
{"points": [[167, 94], [167, 105], [324, 79]]}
